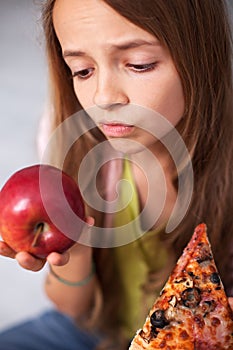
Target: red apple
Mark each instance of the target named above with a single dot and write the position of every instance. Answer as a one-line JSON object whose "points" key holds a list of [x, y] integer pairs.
{"points": [[41, 210]]}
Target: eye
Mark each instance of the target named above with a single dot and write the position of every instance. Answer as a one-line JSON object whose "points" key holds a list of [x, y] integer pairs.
{"points": [[140, 68], [83, 74]]}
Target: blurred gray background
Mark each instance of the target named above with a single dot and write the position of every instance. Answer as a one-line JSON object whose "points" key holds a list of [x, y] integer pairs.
{"points": [[23, 90]]}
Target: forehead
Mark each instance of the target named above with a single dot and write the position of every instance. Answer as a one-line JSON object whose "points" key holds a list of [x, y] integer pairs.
{"points": [[78, 19], [84, 12]]}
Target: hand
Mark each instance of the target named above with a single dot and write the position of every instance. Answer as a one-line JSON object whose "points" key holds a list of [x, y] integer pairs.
{"points": [[29, 262]]}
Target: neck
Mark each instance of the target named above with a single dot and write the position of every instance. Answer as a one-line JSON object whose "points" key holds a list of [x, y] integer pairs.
{"points": [[154, 172]]}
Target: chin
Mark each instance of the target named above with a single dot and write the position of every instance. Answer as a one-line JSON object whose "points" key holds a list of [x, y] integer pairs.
{"points": [[126, 146]]}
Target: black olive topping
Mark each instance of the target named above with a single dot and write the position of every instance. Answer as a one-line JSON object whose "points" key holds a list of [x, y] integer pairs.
{"points": [[214, 278], [191, 297], [208, 306], [158, 319], [191, 274], [153, 333]]}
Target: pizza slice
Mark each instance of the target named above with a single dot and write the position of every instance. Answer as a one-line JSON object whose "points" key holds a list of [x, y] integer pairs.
{"points": [[192, 311]]}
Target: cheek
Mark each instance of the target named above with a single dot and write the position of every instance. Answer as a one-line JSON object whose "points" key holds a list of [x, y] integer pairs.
{"points": [[83, 95], [172, 101], [165, 97]]}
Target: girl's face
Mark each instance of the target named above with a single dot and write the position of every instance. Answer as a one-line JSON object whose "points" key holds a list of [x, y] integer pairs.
{"points": [[116, 64]]}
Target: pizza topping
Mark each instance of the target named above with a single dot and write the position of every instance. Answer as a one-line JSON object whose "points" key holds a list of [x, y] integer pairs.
{"points": [[191, 274], [198, 319], [147, 337], [158, 319], [186, 282], [173, 301], [208, 306], [169, 336], [191, 297], [214, 278], [184, 335], [203, 254], [162, 344], [215, 322]]}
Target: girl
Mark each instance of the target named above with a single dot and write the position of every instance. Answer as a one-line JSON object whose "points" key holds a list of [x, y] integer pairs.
{"points": [[116, 59]]}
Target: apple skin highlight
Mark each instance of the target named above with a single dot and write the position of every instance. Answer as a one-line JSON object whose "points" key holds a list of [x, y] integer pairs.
{"points": [[26, 224]]}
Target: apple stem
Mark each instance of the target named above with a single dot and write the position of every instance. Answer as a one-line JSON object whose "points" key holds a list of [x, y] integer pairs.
{"points": [[39, 230]]}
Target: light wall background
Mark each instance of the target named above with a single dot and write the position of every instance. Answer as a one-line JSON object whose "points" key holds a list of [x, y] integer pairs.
{"points": [[23, 90]]}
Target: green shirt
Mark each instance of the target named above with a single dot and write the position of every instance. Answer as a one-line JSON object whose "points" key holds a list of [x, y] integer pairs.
{"points": [[136, 262]]}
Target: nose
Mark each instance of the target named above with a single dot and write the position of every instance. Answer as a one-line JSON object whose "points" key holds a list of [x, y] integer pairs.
{"points": [[110, 92]]}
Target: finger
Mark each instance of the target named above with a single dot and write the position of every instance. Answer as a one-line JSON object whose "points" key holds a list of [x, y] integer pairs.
{"points": [[231, 302], [5, 250], [90, 221], [29, 262], [58, 259]]}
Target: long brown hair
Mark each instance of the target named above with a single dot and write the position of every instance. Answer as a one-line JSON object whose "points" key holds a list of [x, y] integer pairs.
{"points": [[198, 36]]}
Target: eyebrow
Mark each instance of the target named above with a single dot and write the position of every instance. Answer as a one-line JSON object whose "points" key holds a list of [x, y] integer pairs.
{"points": [[124, 46]]}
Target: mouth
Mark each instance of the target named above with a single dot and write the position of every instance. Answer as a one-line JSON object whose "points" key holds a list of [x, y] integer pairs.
{"points": [[116, 129]]}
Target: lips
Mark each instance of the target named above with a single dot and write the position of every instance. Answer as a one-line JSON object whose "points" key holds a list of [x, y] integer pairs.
{"points": [[116, 129]]}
